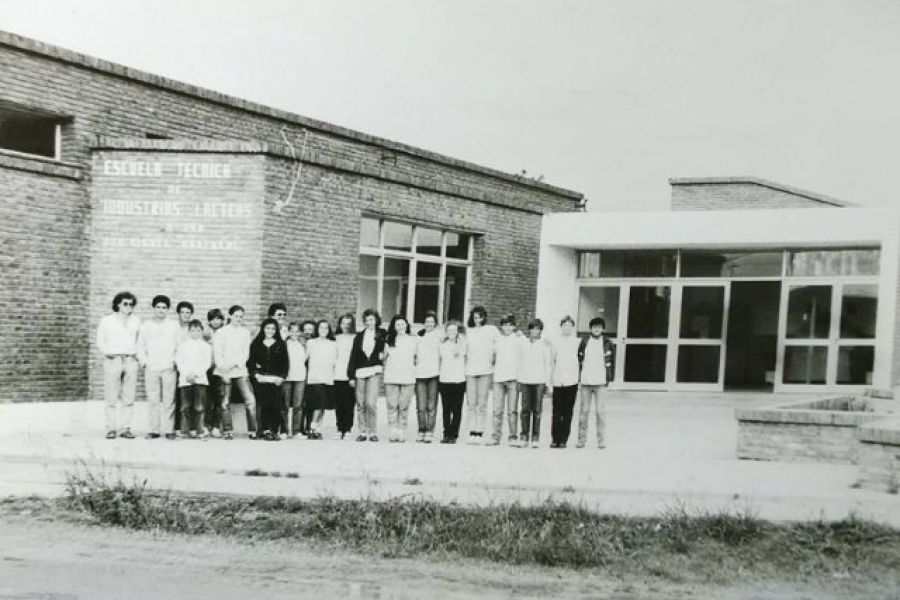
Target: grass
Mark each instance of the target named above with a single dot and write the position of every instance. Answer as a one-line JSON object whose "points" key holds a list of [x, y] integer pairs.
{"points": [[679, 545]]}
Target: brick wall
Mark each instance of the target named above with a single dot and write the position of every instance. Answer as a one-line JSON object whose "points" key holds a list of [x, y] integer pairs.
{"points": [[737, 195], [44, 268], [51, 242]]}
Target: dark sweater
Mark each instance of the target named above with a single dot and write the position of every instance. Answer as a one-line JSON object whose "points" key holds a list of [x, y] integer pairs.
{"points": [[271, 360], [359, 359]]}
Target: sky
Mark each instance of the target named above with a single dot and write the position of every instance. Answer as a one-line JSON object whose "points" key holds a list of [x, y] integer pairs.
{"points": [[609, 98]]}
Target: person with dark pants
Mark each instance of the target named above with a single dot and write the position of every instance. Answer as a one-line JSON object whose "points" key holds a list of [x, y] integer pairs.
{"points": [[344, 394], [185, 312], [213, 409], [268, 366], [193, 359], [452, 380], [534, 373], [307, 332], [565, 375]]}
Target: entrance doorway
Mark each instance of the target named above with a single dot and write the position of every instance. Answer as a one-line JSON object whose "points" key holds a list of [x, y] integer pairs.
{"points": [[752, 345]]}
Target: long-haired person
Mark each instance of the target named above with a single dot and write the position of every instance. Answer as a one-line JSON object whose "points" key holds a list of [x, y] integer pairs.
{"points": [[294, 384], [323, 355], [365, 367], [307, 332], [565, 382], [399, 375], [452, 379], [480, 338], [428, 367], [344, 396], [268, 365]]}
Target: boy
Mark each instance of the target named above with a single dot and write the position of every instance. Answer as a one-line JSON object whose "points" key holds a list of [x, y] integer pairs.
{"points": [[231, 350], [117, 341], [506, 388], [157, 341], [596, 357], [194, 358], [534, 376]]}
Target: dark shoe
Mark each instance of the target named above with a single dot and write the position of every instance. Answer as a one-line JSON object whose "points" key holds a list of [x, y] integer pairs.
{"points": [[227, 436], [554, 445], [171, 436], [127, 435], [152, 436], [446, 440], [373, 438], [361, 438], [110, 435], [561, 445]]}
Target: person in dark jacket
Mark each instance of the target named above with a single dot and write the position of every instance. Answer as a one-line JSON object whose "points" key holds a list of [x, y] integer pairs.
{"points": [[596, 358], [365, 368], [268, 366]]}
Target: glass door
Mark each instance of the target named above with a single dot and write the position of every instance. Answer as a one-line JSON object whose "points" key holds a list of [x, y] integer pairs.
{"points": [[602, 301], [645, 343], [827, 336], [700, 359]]}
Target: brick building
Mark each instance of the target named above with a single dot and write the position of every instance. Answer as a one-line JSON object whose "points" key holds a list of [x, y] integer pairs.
{"points": [[744, 284], [114, 179]]}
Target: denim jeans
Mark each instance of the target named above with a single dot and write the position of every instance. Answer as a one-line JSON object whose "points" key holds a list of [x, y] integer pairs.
{"points": [[119, 383], [160, 387], [367, 403], [246, 391], [506, 400], [478, 389], [532, 406], [193, 400], [291, 406], [426, 403], [592, 397], [398, 397]]}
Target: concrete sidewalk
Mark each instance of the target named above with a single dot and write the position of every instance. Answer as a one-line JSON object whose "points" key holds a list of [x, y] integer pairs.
{"points": [[664, 450]]}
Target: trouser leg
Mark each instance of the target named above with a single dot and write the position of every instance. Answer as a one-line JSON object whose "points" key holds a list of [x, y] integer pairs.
{"points": [[512, 411], [527, 408], [113, 376], [601, 417], [225, 404], [153, 389], [362, 421], [372, 403], [199, 406], [392, 398], [536, 413], [584, 413], [406, 395], [431, 410], [457, 407], [567, 407], [446, 410], [243, 386]]}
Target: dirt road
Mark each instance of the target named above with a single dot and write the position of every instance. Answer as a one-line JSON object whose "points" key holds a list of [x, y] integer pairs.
{"points": [[52, 560]]}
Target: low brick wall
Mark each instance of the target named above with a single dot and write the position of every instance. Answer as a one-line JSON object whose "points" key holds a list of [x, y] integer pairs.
{"points": [[879, 455], [822, 430]]}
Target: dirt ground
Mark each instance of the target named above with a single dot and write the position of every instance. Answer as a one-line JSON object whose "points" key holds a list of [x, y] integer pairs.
{"points": [[53, 560]]}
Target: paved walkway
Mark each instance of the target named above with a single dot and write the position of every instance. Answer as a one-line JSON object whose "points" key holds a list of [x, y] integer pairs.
{"points": [[664, 450]]}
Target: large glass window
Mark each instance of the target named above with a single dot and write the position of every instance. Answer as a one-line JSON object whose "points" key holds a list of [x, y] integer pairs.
{"points": [[627, 263], [599, 302], [809, 312], [410, 269], [858, 309], [821, 263], [727, 263]]}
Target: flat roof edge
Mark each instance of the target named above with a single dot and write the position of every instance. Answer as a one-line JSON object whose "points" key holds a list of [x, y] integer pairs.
{"points": [[817, 197], [33, 46]]}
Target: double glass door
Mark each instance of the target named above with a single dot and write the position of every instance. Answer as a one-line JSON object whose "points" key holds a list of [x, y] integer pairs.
{"points": [[667, 335]]}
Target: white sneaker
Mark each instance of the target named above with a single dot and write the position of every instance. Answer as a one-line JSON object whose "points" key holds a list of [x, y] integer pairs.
{"points": [[429, 437], [215, 432], [535, 444]]}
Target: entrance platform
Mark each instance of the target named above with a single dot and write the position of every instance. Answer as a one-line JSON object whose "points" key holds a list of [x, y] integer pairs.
{"points": [[664, 450]]}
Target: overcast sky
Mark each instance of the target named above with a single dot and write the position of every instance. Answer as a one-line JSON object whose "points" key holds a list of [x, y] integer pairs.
{"points": [[610, 98]]}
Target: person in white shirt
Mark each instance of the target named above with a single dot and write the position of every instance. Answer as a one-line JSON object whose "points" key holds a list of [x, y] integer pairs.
{"points": [[535, 364], [365, 367], [596, 356], [158, 338], [117, 341], [193, 358], [428, 364], [452, 379], [506, 387], [213, 409], [295, 383], [565, 382], [480, 338], [344, 395], [185, 312], [231, 350], [399, 375], [323, 354]]}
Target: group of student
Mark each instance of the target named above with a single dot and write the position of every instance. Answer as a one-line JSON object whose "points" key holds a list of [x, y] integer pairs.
{"points": [[290, 374]]}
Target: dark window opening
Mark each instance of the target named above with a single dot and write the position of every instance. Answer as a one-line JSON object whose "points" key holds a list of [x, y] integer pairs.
{"points": [[28, 132]]}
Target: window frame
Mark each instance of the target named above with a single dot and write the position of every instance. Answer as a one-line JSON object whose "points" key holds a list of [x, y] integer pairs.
{"points": [[57, 121]]}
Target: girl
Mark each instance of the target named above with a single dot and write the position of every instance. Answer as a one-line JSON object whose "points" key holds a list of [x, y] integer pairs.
{"points": [[345, 399], [452, 379], [399, 375], [535, 366], [268, 367], [295, 382], [366, 365], [479, 370], [323, 353], [428, 360]]}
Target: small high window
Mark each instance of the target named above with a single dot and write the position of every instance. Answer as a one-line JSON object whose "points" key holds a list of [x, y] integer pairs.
{"points": [[29, 132]]}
